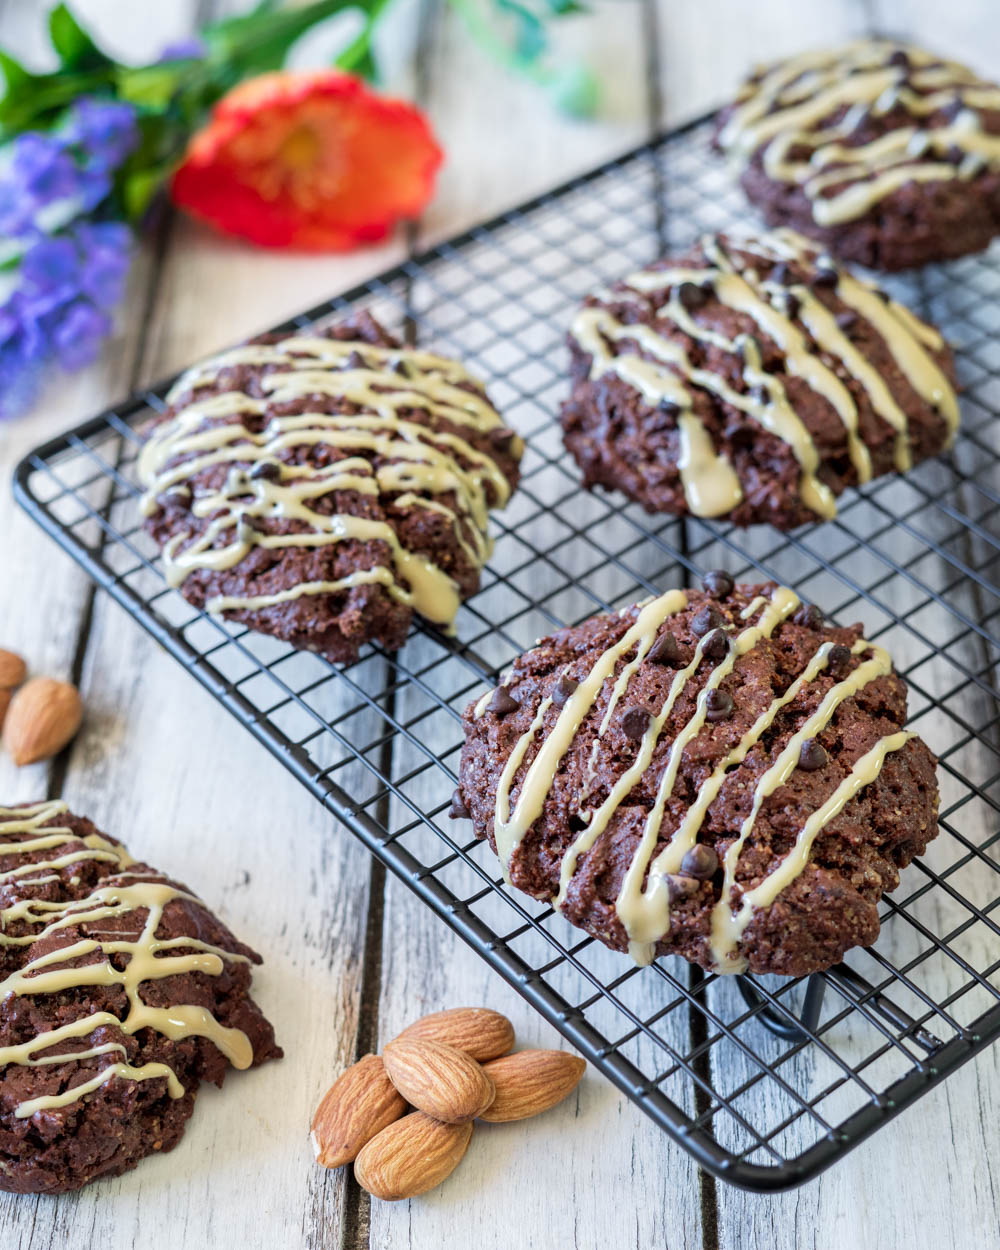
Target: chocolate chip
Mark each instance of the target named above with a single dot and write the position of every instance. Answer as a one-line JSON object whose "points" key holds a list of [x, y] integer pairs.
{"points": [[884, 296], [669, 407], [355, 361], [838, 658], [502, 702], [809, 616], [824, 277], [458, 810], [792, 305], [563, 689], [245, 532], [952, 109], [812, 756], [718, 705], [680, 887], [780, 273], [501, 436], [900, 58], [692, 297], [664, 651], [401, 367], [708, 618], [716, 645], [265, 471], [701, 862], [847, 320], [953, 154], [759, 395], [718, 583], [635, 722]]}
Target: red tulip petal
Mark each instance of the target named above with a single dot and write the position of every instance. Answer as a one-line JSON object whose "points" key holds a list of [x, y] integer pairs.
{"points": [[314, 161]]}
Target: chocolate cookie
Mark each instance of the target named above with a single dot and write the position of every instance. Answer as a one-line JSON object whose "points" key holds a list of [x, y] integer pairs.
{"points": [[752, 380], [121, 993], [887, 154], [324, 487], [714, 773]]}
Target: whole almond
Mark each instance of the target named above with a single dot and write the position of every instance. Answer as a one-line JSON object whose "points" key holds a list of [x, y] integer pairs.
{"points": [[13, 670], [359, 1104], [411, 1156], [438, 1079], [481, 1033], [530, 1082], [43, 715]]}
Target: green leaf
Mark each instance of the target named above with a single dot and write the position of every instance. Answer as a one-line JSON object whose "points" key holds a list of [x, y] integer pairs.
{"points": [[139, 189], [359, 55], [36, 100], [259, 41], [16, 77], [358, 58], [75, 48], [153, 86], [564, 8], [531, 37]]}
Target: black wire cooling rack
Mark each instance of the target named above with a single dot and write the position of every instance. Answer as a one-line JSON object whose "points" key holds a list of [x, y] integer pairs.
{"points": [[765, 1081]]}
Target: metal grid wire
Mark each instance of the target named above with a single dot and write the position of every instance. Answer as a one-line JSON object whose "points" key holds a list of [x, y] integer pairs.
{"points": [[917, 560]]}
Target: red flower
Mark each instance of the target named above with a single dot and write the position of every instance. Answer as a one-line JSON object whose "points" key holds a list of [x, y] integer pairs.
{"points": [[308, 160]]}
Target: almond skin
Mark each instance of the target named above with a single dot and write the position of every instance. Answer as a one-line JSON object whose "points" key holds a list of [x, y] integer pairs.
{"points": [[481, 1033], [411, 1156], [13, 669], [43, 715], [438, 1079], [530, 1082], [5, 698], [357, 1106]]}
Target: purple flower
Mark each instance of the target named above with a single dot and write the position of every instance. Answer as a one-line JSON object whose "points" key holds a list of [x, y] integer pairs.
{"points": [[37, 172], [72, 269], [183, 50], [105, 130], [50, 265], [43, 167], [19, 379], [105, 253], [77, 333]]}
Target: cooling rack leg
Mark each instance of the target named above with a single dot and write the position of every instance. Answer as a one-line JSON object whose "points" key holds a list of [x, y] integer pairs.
{"points": [[858, 987], [781, 1020]]}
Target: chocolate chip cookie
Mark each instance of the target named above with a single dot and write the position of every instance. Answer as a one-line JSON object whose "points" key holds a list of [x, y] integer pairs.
{"points": [[121, 993], [714, 773], [752, 380], [322, 487], [889, 155]]}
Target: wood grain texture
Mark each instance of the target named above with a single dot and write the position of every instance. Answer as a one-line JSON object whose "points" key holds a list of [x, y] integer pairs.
{"points": [[159, 764]]}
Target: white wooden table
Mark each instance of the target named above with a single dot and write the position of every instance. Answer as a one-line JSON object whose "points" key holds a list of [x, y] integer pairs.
{"points": [[350, 957]]}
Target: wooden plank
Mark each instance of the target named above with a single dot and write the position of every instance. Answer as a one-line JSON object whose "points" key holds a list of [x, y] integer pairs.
{"points": [[280, 875], [706, 49], [43, 593], [966, 33], [138, 767], [867, 1199], [557, 1173]]}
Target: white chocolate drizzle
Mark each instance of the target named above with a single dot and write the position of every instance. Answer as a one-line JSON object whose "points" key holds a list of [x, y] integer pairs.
{"points": [[411, 464], [643, 905], [25, 830], [790, 110], [510, 827], [711, 485]]}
